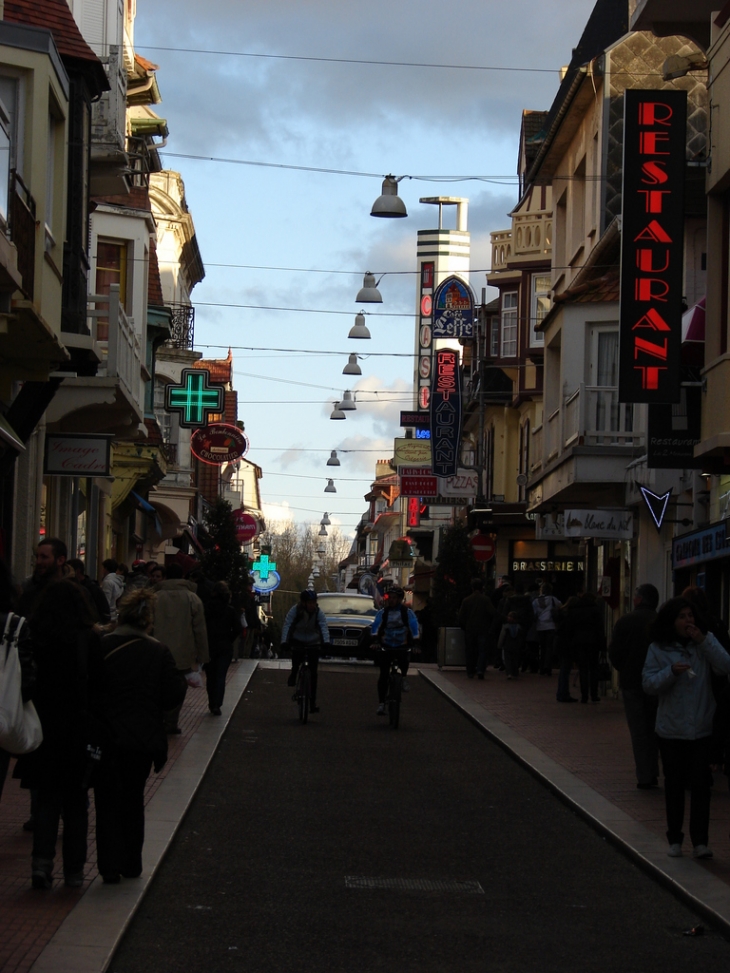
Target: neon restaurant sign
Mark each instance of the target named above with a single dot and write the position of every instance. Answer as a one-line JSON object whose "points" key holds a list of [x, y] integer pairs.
{"points": [[652, 243], [445, 413]]}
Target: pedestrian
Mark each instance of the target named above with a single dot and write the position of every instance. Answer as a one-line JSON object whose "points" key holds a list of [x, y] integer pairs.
{"points": [[223, 625], [627, 653], [180, 625], [138, 682], [252, 648], [531, 654], [677, 670], [97, 596], [67, 655], [8, 602], [395, 629], [584, 635], [112, 584], [137, 578], [305, 633], [511, 639], [50, 558], [476, 618], [546, 608], [157, 574]]}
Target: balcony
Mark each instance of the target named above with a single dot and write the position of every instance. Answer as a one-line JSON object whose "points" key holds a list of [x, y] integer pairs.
{"points": [[23, 231], [109, 160], [581, 450], [182, 327], [501, 249]]}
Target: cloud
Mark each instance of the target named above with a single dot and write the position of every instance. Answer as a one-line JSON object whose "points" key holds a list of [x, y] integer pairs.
{"points": [[277, 514]]}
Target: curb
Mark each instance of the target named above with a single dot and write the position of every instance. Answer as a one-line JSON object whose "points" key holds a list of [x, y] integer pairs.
{"points": [[87, 939], [688, 880]]}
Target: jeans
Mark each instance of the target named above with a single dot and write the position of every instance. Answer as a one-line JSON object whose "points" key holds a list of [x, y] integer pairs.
{"points": [[298, 651], [547, 641], [686, 764], [215, 679], [640, 712], [383, 661], [73, 803], [476, 652], [119, 799]]}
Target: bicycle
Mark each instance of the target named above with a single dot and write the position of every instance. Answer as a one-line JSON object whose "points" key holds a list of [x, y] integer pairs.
{"points": [[303, 689], [394, 691]]}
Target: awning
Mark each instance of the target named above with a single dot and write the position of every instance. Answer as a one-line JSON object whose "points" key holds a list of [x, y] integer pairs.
{"points": [[10, 436], [147, 508], [693, 322]]}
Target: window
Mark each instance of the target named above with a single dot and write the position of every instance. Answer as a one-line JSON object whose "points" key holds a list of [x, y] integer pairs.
{"points": [[111, 268], [524, 459], [509, 324], [164, 418], [539, 306], [494, 338], [578, 208], [4, 163], [50, 180]]}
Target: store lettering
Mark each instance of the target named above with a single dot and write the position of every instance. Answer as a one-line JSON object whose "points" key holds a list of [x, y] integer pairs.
{"points": [[547, 566]]}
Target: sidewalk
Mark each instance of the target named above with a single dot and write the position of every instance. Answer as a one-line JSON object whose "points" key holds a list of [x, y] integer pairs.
{"points": [[76, 930], [583, 753]]}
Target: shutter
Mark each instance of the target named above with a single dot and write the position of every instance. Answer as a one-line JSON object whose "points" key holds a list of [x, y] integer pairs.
{"points": [[93, 24]]}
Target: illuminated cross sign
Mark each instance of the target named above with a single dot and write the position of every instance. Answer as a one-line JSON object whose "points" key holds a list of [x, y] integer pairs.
{"points": [[194, 399], [263, 566]]}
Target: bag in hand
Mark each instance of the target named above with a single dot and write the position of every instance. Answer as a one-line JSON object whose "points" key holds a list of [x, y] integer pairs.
{"points": [[20, 728]]}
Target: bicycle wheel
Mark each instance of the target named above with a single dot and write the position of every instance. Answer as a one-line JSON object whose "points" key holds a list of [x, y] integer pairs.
{"points": [[394, 695], [304, 689]]}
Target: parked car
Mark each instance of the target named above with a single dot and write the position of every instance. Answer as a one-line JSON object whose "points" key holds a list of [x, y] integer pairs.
{"points": [[349, 617]]}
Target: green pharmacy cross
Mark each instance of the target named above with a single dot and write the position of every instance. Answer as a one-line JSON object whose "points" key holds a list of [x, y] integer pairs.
{"points": [[263, 566], [194, 399]]}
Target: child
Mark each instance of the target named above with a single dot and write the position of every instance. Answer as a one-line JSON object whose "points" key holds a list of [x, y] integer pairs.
{"points": [[510, 640]]}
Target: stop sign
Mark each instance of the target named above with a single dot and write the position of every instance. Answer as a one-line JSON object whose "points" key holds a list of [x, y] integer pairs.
{"points": [[484, 547]]}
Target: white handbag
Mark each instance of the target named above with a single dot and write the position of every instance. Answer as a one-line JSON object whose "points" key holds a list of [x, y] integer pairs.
{"points": [[20, 728]]}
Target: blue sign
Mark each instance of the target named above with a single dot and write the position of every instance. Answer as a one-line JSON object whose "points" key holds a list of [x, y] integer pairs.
{"points": [[453, 310], [701, 545], [423, 433], [265, 585]]}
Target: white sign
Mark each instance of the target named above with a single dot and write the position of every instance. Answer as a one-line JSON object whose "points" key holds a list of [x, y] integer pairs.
{"points": [[465, 483], [548, 526], [613, 524], [73, 454]]}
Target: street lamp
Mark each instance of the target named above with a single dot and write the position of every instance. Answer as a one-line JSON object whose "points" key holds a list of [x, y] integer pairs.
{"points": [[330, 488], [325, 521], [389, 204], [333, 460], [322, 531], [337, 412], [369, 293], [348, 403], [359, 328], [352, 367]]}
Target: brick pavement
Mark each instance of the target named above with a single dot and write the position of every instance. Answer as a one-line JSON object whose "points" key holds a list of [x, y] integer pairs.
{"points": [[29, 917], [591, 741]]}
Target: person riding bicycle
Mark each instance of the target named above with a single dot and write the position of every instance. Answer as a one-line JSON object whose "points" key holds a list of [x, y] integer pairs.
{"points": [[395, 628], [305, 632]]}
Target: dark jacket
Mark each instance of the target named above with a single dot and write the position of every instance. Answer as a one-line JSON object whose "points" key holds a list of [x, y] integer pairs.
{"points": [[67, 680], [223, 623], [629, 644], [139, 680], [582, 629], [98, 599], [477, 614]]}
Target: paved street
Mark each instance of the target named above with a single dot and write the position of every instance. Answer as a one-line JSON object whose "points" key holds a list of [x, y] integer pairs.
{"points": [[266, 872]]}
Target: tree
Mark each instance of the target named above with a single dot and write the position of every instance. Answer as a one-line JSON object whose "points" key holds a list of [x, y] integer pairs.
{"points": [[456, 568], [224, 560]]}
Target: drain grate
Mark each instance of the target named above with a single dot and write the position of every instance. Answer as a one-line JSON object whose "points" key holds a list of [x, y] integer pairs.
{"points": [[412, 885]]}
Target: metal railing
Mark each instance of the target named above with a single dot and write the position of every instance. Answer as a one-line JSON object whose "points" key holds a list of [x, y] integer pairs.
{"points": [[23, 230], [590, 416], [182, 326], [120, 346]]}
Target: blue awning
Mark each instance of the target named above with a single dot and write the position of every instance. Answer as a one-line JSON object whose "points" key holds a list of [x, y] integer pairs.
{"points": [[147, 508]]}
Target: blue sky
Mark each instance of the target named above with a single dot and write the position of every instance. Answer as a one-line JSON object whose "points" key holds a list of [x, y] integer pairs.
{"points": [[364, 118]]}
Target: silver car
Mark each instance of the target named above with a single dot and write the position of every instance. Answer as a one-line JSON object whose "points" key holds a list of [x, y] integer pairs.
{"points": [[349, 618]]}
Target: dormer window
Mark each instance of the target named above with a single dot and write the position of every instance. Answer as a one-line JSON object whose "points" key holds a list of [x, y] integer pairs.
{"points": [[509, 325]]}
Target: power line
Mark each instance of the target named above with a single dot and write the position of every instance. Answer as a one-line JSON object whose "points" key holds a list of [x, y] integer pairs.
{"points": [[306, 310]]}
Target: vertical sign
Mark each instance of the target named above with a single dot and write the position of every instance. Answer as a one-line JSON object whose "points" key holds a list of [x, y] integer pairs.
{"points": [[453, 310], [652, 243], [445, 413], [425, 336]]}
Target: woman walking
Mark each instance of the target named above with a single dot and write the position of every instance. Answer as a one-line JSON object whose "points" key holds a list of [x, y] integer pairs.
{"points": [[223, 623], [677, 670], [139, 681]]}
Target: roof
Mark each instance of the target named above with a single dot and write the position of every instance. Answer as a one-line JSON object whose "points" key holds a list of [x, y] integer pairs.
{"points": [[221, 369], [55, 15], [155, 296], [138, 197], [145, 64]]}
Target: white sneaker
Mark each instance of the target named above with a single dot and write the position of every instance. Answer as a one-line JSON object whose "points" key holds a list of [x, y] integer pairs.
{"points": [[675, 851], [405, 688], [381, 709], [701, 851]]}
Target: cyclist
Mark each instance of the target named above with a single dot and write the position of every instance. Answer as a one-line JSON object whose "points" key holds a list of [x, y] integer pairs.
{"points": [[305, 632], [395, 629]]}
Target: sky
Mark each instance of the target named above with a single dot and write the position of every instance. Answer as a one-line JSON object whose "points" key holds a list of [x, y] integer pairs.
{"points": [[275, 83]]}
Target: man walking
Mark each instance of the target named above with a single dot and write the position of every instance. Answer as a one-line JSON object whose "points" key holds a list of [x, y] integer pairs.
{"points": [[477, 617], [627, 653], [50, 558], [180, 625]]}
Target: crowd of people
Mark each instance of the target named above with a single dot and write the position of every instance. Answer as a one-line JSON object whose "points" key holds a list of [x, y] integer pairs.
{"points": [[107, 667], [673, 663]]}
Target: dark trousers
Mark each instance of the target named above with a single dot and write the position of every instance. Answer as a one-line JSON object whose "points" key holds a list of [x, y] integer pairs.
{"points": [[382, 660], [171, 716], [72, 802], [476, 652], [587, 659], [215, 679], [686, 764], [119, 799], [298, 652], [640, 712], [4, 764], [547, 644]]}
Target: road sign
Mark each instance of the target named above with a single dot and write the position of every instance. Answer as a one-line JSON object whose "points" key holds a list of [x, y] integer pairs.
{"points": [[484, 547]]}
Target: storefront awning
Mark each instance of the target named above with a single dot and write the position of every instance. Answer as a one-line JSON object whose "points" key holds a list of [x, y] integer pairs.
{"points": [[10, 436]]}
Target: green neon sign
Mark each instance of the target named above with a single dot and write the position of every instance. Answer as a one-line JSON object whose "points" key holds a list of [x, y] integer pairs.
{"points": [[194, 399]]}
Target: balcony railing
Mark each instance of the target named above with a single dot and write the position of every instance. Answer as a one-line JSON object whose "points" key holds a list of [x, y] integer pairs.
{"points": [[121, 351], [590, 416], [182, 326], [23, 231]]}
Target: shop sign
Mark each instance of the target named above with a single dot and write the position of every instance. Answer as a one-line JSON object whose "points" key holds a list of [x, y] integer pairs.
{"points": [[464, 483], [453, 309], [418, 486], [265, 585], [412, 452], [419, 419], [701, 545], [548, 526], [219, 443], [674, 431], [611, 524], [77, 454], [246, 526], [570, 565], [652, 243], [194, 399], [446, 412]]}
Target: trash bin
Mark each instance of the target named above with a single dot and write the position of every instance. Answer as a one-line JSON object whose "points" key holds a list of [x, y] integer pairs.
{"points": [[451, 648]]}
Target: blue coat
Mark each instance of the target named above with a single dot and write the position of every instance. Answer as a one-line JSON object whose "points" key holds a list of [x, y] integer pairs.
{"points": [[686, 704]]}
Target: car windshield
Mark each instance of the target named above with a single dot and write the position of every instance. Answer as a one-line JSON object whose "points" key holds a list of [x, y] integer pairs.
{"points": [[346, 605]]}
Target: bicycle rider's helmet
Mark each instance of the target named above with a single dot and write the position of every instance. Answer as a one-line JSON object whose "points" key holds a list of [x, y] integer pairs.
{"points": [[395, 590], [308, 595]]}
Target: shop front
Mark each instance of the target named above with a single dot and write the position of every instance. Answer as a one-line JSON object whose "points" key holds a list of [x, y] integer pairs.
{"points": [[702, 558]]}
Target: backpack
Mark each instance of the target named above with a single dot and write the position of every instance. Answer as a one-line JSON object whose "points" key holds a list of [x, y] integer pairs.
{"points": [[20, 728], [404, 617]]}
